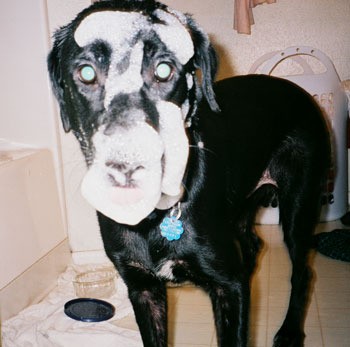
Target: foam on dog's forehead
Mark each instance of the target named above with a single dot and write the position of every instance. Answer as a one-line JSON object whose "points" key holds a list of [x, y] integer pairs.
{"points": [[175, 36], [119, 28], [113, 27]]}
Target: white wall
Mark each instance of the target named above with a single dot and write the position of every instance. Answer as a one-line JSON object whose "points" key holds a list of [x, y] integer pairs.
{"points": [[27, 113], [82, 225], [31, 223], [322, 24]]}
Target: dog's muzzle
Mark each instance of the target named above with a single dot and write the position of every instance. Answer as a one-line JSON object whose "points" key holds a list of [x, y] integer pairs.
{"points": [[137, 169]]}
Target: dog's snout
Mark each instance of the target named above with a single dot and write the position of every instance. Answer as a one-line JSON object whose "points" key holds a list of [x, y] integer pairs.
{"points": [[123, 174], [116, 165], [126, 110], [123, 167]]}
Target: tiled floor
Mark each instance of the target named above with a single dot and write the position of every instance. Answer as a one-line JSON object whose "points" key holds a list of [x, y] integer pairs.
{"points": [[328, 321]]}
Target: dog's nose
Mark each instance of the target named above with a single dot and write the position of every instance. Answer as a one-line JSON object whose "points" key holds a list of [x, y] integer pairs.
{"points": [[123, 174]]}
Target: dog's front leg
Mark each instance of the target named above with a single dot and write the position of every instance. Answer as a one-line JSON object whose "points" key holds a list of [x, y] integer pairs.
{"points": [[148, 297], [231, 306]]}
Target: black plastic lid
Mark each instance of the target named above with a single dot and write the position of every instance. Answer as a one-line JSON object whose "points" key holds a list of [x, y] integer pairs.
{"points": [[89, 310]]}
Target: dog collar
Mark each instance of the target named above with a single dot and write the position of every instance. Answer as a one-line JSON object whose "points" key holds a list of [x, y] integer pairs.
{"points": [[171, 227]]}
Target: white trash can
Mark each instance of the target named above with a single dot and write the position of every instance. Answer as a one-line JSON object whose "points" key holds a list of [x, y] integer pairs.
{"points": [[326, 88]]}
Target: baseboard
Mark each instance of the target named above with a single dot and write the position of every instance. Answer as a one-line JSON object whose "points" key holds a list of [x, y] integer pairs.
{"points": [[90, 257], [35, 283]]}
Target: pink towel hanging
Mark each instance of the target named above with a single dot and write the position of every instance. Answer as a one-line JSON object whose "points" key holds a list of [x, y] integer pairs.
{"points": [[243, 14]]}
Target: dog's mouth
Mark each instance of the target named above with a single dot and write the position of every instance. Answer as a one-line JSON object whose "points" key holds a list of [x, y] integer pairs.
{"points": [[137, 169]]}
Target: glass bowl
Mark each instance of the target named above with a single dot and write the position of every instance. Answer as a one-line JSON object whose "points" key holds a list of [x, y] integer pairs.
{"points": [[95, 284]]}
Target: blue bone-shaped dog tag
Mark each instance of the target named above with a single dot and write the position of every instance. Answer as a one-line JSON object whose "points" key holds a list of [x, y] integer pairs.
{"points": [[171, 228]]}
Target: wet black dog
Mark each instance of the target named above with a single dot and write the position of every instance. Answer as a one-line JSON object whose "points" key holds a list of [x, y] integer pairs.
{"points": [[177, 167]]}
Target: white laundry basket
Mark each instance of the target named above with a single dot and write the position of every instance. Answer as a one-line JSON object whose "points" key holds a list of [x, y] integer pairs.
{"points": [[326, 88]]}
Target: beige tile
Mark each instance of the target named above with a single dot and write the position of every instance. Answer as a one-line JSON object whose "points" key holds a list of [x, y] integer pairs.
{"points": [[278, 305], [276, 236], [281, 270], [271, 332], [329, 226], [214, 341], [313, 337], [334, 284], [172, 294], [336, 337], [312, 318], [335, 318], [197, 314], [333, 299], [330, 268], [276, 316], [257, 336], [260, 290], [191, 334], [258, 316], [278, 284], [193, 296], [279, 255]]}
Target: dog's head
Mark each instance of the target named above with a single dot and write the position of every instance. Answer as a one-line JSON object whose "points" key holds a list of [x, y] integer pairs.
{"points": [[124, 74]]}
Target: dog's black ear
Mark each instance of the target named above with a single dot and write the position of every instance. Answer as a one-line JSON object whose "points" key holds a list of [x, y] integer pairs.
{"points": [[54, 60], [206, 61]]}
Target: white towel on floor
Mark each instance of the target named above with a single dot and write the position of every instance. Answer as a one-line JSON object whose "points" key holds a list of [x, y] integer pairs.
{"points": [[46, 325]]}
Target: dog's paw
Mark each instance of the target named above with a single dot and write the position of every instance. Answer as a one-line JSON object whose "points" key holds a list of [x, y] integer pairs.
{"points": [[289, 339]]}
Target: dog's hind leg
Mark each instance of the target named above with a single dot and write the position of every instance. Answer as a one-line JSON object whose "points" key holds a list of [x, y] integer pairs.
{"points": [[250, 243], [231, 297], [299, 203], [297, 227]]}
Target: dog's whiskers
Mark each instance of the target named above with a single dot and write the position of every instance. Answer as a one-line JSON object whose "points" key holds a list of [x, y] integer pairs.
{"points": [[200, 146]]}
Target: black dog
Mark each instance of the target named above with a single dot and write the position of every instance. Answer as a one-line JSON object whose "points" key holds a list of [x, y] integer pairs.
{"points": [[134, 84]]}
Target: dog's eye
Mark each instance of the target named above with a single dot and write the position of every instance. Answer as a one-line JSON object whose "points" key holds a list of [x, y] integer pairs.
{"points": [[163, 72], [87, 74]]}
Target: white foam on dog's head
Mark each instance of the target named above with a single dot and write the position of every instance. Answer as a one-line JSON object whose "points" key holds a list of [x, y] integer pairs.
{"points": [[175, 36], [129, 81], [119, 28], [115, 27], [172, 132], [136, 146], [164, 155]]}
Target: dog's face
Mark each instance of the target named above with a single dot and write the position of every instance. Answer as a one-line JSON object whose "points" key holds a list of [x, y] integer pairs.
{"points": [[124, 75]]}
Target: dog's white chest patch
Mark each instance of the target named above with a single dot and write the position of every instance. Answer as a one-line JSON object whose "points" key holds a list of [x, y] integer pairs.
{"points": [[166, 270]]}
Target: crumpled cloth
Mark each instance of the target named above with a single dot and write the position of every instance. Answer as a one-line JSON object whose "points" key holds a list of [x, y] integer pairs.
{"points": [[46, 325], [243, 14]]}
